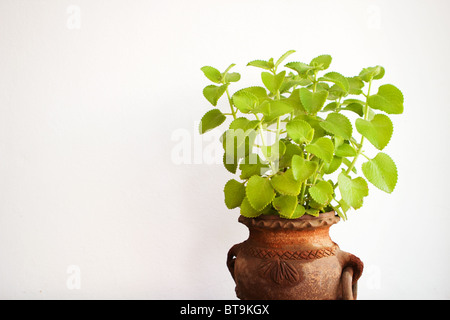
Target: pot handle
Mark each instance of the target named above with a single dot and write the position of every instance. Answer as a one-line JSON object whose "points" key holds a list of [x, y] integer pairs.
{"points": [[231, 258], [352, 271]]}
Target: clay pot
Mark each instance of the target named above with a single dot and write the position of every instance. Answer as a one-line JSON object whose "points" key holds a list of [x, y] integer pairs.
{"points": [[293, 260]]}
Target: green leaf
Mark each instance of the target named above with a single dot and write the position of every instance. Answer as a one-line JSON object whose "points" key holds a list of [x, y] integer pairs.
{"points": [[212, 74], [321, 62], [285, 205], [322, 192], [355, 84], [300, 131], [232, 77], [273, 82], [352, 190], [291, 150], [356, 108], [259, 192], [338, 124], [331, 167], [283, 57], [267, 65], [274, 109], [381, 171], [322, 148], [234, 193], [378, 130], [370, 73], [212, 119], [388, 99], [312, 212], [258, 92], [252, 165], [337, 78], [313, 101], [275, 151], [230, 162], [285, 183], [245, 101], [248, 211], [345, 150], [300, 67], [302, 169], [295, 102], [213, 93]]}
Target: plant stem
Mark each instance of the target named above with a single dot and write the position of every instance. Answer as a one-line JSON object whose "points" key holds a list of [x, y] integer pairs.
{"points": [[264, 144], [366, 113], [302, 194], [233, 112]]}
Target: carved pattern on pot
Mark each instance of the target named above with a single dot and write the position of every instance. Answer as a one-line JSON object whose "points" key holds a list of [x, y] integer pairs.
{"points": [[292, 255], [280, 271]]}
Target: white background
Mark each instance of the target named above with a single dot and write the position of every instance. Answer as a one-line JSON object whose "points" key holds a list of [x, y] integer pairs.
{"points": [[91, 93]]}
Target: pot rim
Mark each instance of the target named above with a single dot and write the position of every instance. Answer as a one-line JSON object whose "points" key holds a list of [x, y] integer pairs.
{"points": [[277, 222]]}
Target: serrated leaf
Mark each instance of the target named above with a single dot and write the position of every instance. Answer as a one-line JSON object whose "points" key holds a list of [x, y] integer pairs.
{"points": [[388, 99], [352, 190], [258, 92], [321, 62], [312, 212], [234, 192], [230, 162], [283, 57], [259, 192], [300, 67], [275, 151], [252, 165], [213, 93], [378, 130], [330, 107], [302, 169], [331, 167], [355, 84], [285, 183], [370, 73], [381, 171], [300, 131], [312, 101], [345, 150], [291, 150], [274, 109], [285, 205], [322, 192], [212, 74], [232, 77], [338, 124], [245, 101], [322, 148], [211, 120], [356, 108], [237, 144], [267, 65], [295, 102], [247, 210], [336, 78], [273, 82]]}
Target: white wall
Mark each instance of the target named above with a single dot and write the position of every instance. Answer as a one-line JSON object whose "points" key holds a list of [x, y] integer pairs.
{"points": [[91, 93]]}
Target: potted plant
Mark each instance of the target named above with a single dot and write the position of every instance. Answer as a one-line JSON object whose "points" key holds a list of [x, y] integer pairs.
{"points": [[292, 144]]}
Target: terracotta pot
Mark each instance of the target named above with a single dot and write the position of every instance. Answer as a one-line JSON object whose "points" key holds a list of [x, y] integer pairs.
{"points": [[293, 260]]}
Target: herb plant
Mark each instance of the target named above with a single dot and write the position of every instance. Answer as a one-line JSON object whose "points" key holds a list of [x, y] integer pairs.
{"points": [[309, 166]]}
